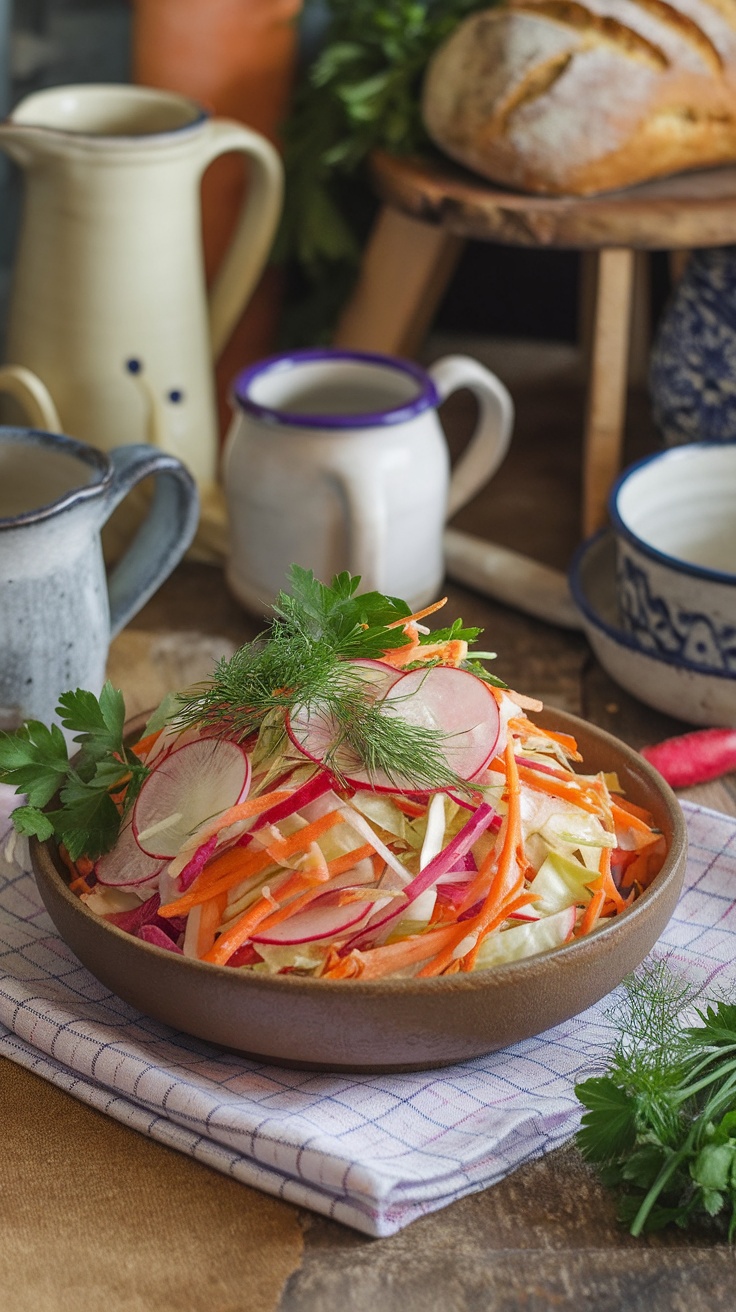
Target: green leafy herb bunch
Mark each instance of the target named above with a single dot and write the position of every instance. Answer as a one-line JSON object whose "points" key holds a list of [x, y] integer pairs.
{"points": [[34, 760], [661, 1123], [361, 91]]}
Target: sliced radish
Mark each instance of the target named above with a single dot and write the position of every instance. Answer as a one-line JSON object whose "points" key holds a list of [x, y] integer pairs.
{"points": [[159, 938], [126, 866], [458, 704], [316, 922], [314, 787], [192, 784], [314, 731], [197, 863], [455, 702]]}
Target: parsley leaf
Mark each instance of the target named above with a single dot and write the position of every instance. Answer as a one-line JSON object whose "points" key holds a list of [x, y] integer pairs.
{"points": [[97, 724], [33, 822], [34, 760], [354, 626], [609, 1125]]}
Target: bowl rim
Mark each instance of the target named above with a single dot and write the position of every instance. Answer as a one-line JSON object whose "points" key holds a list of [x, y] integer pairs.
{"points": [[577, 951], [674, 563], [618, 635]]}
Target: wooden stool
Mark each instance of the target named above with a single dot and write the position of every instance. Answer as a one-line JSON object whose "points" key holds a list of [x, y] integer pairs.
{"points": [[430, 208]]}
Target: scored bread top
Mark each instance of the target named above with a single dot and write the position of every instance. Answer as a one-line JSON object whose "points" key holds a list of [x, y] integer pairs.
{"points": [[582, 96]]}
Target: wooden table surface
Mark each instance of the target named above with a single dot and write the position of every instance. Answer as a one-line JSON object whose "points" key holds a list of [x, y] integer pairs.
{"points": [[93, 1215]]}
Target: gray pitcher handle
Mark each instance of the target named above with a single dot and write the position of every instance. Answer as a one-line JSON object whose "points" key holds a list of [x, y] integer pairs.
{"points": [[164, 535]]}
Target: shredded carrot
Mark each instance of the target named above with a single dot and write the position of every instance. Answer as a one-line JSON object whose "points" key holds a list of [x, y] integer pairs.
{"points": [[398, 656], [254, 806], [299, 841], [238, 864], [506, 881], [82, 866], [642, 869], [144, 745], [340, 864], [379, 865], [511, 861], [564, 739], [418, 615], [592, 913], [335, 867], [604, 883], [547, 783], [79, 885], [296, 883], [451, 652], [231, 868], [267, 905], [378, 962], [209, 922], [630, 820]]}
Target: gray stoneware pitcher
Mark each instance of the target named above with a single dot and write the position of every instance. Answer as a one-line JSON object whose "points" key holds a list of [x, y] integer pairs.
{"points": [[57, 608]]}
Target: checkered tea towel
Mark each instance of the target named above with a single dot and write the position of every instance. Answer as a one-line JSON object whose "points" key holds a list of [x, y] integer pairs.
{"points": [[372, 1151]]}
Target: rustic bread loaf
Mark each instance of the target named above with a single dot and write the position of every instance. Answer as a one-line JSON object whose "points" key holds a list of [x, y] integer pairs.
{"points": [[560, 96]]}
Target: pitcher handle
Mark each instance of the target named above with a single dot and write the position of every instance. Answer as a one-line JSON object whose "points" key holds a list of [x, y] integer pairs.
{"points": [[249, 249], [490, 440], [164, 535], [28, 390]]}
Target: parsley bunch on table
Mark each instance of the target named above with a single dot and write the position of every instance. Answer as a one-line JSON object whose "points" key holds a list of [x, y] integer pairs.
{"points": [[361, 91], [34, 760], [661, 1123]]}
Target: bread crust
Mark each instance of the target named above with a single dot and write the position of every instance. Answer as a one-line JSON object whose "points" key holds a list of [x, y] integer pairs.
{"points": [[565, 97]]}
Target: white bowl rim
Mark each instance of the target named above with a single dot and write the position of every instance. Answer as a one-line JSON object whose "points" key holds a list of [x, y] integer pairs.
{"points": [[620, 636], [620, 527]]}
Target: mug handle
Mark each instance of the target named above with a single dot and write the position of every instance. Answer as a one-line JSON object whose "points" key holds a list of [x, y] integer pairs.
{"points": [[164, 535], [248, 251], [28, 390], [490, 440]]}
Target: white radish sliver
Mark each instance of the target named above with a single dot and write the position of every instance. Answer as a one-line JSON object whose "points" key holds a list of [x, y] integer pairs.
{"points": [[434, 836]]}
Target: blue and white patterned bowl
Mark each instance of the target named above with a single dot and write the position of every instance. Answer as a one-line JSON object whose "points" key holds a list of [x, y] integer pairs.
{"points": [[674, 519], [667, 682]]}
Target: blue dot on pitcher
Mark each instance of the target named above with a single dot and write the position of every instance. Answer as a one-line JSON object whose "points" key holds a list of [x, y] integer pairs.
{"points": [[176, 396], [133, 366]]}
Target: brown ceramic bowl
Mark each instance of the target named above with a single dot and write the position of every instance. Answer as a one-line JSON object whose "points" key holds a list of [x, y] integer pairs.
{"points": [[401, 1024]]}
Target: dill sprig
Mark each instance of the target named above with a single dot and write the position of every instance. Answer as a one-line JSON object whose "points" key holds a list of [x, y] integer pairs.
{"points": [[661, 1123], [302, 663], [373, 738]]}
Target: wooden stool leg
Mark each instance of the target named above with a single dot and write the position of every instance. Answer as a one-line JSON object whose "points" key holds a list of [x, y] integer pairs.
{"points": [[606, 411], [405, 270]]}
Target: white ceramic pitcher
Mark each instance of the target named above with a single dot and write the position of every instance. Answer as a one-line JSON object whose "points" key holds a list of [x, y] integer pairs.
{"points": [[337, 460], [109, 305]]}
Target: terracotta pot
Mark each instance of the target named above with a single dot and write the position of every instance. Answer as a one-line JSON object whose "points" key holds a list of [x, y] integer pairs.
{"points": [[236, 57]]}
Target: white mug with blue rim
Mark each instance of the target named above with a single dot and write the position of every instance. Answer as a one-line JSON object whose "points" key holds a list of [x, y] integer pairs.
{"points": [[337, 460]]}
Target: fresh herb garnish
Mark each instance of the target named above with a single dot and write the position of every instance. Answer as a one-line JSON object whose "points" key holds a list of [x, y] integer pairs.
{"points": [[661, 1124], [34, 760], [302, 662]]}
